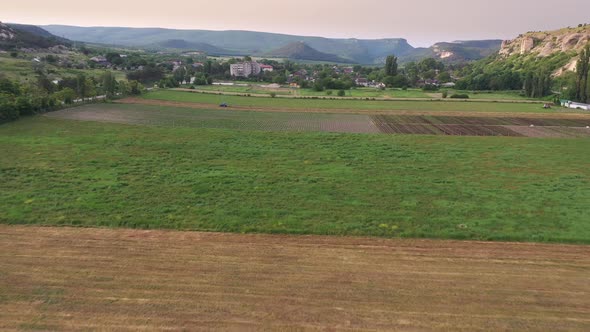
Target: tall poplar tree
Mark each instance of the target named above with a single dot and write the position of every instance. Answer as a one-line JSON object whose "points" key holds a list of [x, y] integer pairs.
{"points": [[391, 65], [582, 75]]}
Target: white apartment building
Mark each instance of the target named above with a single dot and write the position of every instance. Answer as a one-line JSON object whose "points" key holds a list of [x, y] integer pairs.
{"points": [[245, 69]]}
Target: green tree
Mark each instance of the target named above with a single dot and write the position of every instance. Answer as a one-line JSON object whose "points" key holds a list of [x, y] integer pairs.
{"points": [[179, 75], [135, 88], [81, 87], [391, 65], [114, 58], [318, 86], [109, 84], [398, 81], [444, 77], [66, 96], [45, 84], [90, 88], [537, 84], [9, 87], [412, 72], [582, 69]]}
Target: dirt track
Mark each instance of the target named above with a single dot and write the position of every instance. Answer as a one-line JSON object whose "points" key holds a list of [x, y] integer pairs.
{"points": [[79, 279], [155, 102]]}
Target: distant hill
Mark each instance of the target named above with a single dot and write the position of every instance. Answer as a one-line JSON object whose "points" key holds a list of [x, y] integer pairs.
{"points": [[239, 42], [183, 45], [458, 51], [13, 36], [33, 29], [467, 50], [302, 51], [235, 42]]}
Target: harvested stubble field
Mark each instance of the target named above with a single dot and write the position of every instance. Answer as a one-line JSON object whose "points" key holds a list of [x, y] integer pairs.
{"points": [[330, 122], [88, 279]]}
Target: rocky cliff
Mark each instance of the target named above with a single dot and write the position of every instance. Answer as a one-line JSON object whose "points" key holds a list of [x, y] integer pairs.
{"points": [[6, 32], [547, 43]]}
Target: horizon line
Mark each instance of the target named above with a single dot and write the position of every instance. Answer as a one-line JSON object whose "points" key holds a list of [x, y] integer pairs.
{"points": [[258, 31]]}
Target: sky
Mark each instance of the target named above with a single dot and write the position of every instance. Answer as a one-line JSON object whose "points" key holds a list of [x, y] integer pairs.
{"points": [[422, 22]]}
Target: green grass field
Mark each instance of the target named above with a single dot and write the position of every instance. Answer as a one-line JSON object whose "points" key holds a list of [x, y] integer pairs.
{"points": [[16, 69], [366, 92], [370, 93], [466, 106], [495, 95], [64, 172], [357, 92]]}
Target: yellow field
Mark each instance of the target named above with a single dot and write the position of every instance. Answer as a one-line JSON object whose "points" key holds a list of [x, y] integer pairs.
{"points": [[86, 279]]}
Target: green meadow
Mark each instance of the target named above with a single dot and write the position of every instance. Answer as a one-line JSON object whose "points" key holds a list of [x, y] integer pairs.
{"points": [[76, 173], [335, 103]]}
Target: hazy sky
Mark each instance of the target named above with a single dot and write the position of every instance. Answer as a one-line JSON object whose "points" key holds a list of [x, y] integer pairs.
{"points": [[422, 22]]}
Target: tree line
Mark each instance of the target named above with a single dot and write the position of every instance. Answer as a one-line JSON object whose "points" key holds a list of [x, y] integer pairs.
{"points": [[43, 95]]}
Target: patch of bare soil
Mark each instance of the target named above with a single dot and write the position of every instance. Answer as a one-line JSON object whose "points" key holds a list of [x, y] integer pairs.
{"points": [[87, 279]]}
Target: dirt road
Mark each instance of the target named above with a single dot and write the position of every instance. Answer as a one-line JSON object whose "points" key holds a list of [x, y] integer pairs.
{"points": [[80, 279]]}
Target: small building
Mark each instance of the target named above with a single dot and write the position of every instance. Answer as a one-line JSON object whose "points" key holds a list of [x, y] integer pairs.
{"points": [[100, 60], [361, 81], [266, 68]]}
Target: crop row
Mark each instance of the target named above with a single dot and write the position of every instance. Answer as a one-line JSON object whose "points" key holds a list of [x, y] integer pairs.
{"points": [[443, 129], [486, 121]]}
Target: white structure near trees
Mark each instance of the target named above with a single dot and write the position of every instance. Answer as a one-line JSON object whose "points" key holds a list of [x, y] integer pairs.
{"points": [[266, 68], [574, 105]]}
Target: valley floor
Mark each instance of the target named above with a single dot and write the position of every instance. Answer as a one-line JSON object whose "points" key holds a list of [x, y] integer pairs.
{"points": [[79, 279]]}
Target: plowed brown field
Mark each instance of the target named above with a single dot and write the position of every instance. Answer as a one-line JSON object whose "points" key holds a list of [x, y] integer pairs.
{"points": [[87, 279]]}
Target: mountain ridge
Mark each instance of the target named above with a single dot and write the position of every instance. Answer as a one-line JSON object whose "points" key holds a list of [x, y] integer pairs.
{"points": [[243, 42], [14, 36], [302, 51]]}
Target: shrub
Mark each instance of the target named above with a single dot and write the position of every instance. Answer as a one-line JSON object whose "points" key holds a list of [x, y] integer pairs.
{"points": [[445, 94], [460, 96], [430, 87], [329, 92], [273, 95], [341, 93]]}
